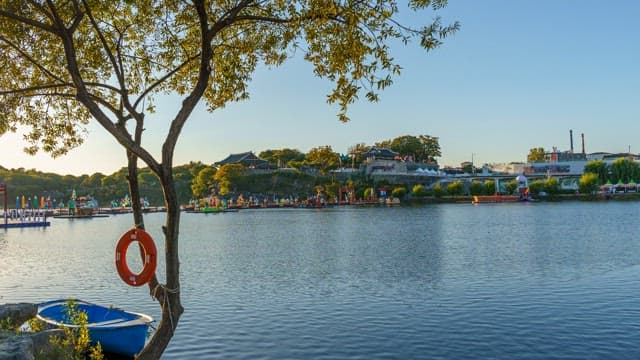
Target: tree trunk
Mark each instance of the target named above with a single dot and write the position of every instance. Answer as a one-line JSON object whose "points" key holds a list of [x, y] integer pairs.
{"points": [[134, 190], [169, 294], [136, 207]]}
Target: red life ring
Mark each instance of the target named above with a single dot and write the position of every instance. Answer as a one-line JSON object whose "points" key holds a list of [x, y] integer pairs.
{"points": [[150, 254]]}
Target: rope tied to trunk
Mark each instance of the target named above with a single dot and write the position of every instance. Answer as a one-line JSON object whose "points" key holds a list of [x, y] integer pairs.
{"points": [[165, 299]]}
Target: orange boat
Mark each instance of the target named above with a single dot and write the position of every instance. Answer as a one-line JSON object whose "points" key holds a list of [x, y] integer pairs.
{"points": [[497, 198]]}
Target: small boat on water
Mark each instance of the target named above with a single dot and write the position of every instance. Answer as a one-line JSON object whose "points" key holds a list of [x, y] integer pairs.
{"points": [[478, 199], [117, 331]]}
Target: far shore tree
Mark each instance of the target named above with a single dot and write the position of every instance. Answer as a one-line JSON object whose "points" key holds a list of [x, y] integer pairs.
{"points": [[598, 167], [621, 169], [422, 148], [203, 182], [323, 158], [282, 157], [356, 154], [66, 63], [536, 154], [624, 170], [227, 175]]}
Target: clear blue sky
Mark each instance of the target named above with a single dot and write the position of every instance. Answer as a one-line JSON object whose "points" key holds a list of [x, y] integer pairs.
{"points": [[519, 74]]}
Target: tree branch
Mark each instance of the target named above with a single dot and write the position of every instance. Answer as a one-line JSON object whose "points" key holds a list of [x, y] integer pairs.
{"points": [[30, 59], [27, 21], [83, 96], [105, 46], [164, 78]]}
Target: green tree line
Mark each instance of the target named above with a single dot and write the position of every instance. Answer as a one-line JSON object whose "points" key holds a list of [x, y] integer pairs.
{"points": [[104, 188], [598, 172], [421, 148]]}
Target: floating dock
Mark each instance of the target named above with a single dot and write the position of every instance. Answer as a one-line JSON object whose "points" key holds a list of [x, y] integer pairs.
{"points": [[23, 218]]}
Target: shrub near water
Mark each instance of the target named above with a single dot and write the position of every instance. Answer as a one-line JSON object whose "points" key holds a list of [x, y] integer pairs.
{"points": [[75, 343], [438, 191], [536, 186], [476, 188], [455, 188], [6, 324], [419, 191], [399, 192], [588, 183]]}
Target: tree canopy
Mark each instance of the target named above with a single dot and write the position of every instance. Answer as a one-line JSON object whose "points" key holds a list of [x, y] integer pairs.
{"points": [[281, 157], [203, 182], [356, 154], [621, 169], [598, 167], [422, 148], [227, 175], [536, 154], [90, 59], [323, 158]]}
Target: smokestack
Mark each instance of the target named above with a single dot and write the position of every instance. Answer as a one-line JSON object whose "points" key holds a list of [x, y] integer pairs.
{"points": [[571, 139], [582, 143]]}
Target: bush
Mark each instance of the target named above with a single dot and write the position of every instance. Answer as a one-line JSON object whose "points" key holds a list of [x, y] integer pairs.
{"points": [[476, 188], [399, 192], [536, 186], [75, 343], [438, 191], [588, 183], [552, 186], [419, 191], [368, 192], [489, 187], [455, 188], [511, 186]]}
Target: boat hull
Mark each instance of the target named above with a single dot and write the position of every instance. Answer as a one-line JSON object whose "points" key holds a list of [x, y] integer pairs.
{"points": [[117, 331], [496, 198]]}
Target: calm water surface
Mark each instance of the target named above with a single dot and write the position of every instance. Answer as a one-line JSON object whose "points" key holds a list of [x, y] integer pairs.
{"points": [[500, 281]]}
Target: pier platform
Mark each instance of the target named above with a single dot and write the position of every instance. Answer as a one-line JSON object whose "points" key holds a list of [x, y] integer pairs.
{"points": [[23, 218], [21, 224]]}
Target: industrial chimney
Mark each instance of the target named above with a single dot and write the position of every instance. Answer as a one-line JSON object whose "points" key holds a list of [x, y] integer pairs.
{"points": [[583, 153], [571, 139]]}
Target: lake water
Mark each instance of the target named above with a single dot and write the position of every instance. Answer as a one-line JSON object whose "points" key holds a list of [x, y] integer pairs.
{"points": [[450, 281]]}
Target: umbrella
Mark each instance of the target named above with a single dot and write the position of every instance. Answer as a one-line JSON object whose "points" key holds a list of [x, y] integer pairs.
{"points": [[41, 202], [24, 202], [73, 194], [17, 202]]}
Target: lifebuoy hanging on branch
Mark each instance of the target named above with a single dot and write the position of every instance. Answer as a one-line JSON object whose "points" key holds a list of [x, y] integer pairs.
{"points": [[150, 254]]}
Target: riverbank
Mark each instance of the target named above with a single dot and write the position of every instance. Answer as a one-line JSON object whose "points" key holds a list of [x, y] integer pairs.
{"points": [[18, 345], [556, 197]]}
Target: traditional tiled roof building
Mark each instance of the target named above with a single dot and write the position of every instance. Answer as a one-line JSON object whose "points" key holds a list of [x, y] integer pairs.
{"points": [[380, 153], [248, 159]]}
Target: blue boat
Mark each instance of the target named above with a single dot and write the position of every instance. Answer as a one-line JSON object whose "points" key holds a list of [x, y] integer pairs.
{"points": [[117, 331]]}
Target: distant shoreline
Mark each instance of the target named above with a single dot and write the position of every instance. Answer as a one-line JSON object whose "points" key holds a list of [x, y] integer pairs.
{"points": [[547, 198]]}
